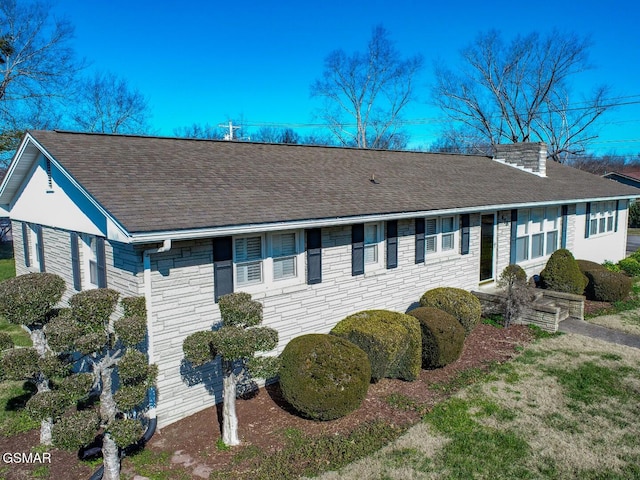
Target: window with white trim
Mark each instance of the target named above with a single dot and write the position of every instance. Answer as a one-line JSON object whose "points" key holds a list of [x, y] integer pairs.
{"points": [[602, 218], [537, 233], [371, 240], [89, 247], [34, 246], [373, 252], [440, 234], [248, 259], [267, 258]]}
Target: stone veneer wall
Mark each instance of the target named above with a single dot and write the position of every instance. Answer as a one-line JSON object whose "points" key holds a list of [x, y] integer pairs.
{"points": [[183, 293], [123, 262]]}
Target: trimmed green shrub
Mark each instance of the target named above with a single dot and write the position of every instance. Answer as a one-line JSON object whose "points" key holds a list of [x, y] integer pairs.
{"points": [[587, 265], [92, 308], [463, 305], [630, 266], [28, 299], [134, 306], [442, 336], [239, 310], [6, 342], [562, 273], [392, 341], [607, 286], [75, 430], [125, 431], [131, 330], [324, 376]]}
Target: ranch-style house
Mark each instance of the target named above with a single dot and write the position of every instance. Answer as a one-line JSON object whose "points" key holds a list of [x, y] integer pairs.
{"points": [[315, 233]]}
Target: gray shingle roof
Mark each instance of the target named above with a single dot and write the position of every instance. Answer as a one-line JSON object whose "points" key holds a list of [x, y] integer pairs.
{"points": [[157, 184]]}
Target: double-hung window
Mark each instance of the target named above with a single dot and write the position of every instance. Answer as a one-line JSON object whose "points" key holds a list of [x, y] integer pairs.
{"points": [[248, 259], [536, 233], [267, 259], [440, 234], [285, 251], [601, 219], [35, 246], [94, 264], [371, 240]]}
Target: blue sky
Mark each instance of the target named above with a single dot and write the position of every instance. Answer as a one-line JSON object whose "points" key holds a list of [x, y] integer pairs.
{"points": [[207, 61]]}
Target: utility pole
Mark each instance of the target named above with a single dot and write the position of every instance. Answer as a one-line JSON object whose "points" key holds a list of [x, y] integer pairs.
{"points": [[232, 128]]}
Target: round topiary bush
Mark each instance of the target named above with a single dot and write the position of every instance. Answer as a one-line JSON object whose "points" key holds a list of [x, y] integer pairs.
{"points": [[587, 265], [463, 305], [607, 286], [442, 336], [562, 273], [323, 376], [392, 341], [28, 299]]}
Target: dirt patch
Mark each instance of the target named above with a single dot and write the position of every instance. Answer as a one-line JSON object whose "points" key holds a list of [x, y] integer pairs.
{"points": [[264, 417], [190, 444]]}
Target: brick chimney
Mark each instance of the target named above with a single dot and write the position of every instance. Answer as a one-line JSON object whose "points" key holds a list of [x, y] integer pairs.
{"points": [[528, 156]]}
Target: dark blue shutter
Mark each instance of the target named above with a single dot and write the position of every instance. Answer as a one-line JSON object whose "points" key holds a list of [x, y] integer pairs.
{"points": [[25, 244], [419, 240], [465, 234], [314, 256], [392, 244], [75, 261], [101, 263], [222, 267], [40, 236], [587, 220], [357, 249], [514, 235], [565, 226], [615, 222]]}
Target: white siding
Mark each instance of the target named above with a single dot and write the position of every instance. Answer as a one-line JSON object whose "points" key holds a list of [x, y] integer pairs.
{"points": [[598, 248], [183, 293]]}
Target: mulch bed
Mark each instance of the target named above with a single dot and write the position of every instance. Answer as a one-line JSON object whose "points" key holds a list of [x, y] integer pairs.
{"points": [[191, 442]]}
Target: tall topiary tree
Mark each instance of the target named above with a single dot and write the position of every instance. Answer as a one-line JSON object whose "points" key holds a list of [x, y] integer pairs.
{"points": [[235, 343], [107, 349], [29, 300], [562, 273]]}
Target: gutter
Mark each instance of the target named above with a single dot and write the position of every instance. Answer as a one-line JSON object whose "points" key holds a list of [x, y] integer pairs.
{"points": [[192, 234]]}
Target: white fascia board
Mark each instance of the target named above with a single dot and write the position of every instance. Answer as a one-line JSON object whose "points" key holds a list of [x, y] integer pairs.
{"points": [[13, 165], [115, 231], [192, 234]]}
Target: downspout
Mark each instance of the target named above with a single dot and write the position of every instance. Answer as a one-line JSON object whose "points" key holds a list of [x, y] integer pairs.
{"points": [[146, 259]]}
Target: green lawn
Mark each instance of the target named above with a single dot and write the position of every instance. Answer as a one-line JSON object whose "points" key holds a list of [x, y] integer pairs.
{"points": [[7, 264]]}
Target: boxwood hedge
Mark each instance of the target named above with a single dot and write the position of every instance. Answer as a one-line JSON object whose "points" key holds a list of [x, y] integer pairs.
{"points": [[392, 341]]}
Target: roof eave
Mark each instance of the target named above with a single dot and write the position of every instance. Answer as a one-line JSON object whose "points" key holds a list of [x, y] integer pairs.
{"points": [[196, 233]]}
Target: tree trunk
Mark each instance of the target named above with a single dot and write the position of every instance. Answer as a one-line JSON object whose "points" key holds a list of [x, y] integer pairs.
{"points": [[229, 417], [111, 459], [108, 408], [42, 383], [46, 426]]}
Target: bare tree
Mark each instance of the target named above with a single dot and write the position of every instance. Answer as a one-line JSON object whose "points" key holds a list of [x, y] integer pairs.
{"points": [[37, 64], [365, 93], [275, 135], [107, 104], [519, 92], [197, 130]]}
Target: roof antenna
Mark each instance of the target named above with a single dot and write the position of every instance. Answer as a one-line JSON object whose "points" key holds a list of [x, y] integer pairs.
{"points": [[373, 179]]}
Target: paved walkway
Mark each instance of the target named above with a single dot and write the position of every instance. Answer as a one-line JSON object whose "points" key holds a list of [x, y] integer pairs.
{"points": [[574, 325]]}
